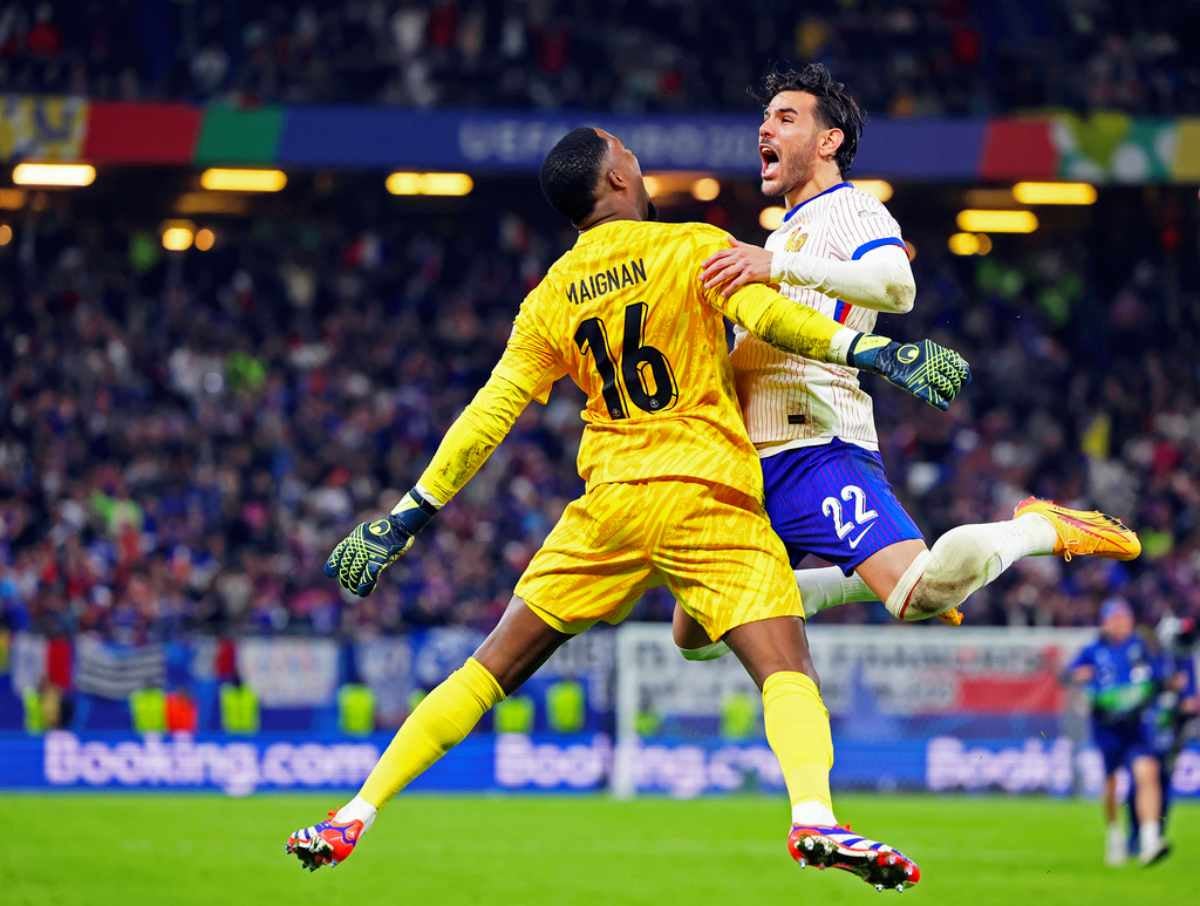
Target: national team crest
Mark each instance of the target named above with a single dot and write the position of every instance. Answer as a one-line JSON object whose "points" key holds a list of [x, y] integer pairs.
{"points": [[796, 240]]}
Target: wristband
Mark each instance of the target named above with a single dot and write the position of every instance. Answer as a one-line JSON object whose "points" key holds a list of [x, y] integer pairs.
{"points": [[864, 349], [413, 512]]}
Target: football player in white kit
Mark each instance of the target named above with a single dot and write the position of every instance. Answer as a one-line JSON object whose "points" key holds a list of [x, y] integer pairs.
{"points": [[841, 252]]}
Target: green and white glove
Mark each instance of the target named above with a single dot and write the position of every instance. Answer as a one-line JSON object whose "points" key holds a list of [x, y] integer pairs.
{"points": [[927, 370]]}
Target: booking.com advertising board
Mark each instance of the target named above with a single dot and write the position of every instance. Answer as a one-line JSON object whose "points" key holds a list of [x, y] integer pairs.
{"points": [[953, 710], [519, 763]]}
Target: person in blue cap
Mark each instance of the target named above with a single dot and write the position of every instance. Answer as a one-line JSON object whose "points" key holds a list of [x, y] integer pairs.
{"points": [[1122, 675], [1173, 711]]}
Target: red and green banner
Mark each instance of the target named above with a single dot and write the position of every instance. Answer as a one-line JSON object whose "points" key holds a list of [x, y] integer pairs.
{"points": [[1104, 147]]}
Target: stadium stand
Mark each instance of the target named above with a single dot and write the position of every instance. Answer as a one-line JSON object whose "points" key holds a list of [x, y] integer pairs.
{"points": [[916, 58], [186, 436]]}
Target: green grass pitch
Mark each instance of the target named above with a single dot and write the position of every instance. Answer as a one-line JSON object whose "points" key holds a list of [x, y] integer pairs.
{"points": [[161, 849]]}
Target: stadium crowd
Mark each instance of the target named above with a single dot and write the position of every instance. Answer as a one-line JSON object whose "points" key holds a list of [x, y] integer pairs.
{"points": [[914, 58], [184, 436]]}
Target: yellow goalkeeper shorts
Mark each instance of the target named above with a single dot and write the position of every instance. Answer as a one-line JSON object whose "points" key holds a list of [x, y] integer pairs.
{"points": [[711, 545]]}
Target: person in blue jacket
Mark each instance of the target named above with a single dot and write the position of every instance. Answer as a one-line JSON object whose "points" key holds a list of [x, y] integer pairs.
{"points": [[1175, 707], [1122, 676]]}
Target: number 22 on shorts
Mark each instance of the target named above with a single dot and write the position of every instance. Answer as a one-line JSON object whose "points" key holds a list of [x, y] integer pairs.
{"points": [[863, 517]]}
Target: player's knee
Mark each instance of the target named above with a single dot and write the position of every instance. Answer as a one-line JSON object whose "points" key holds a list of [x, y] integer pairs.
{"points": [[1145, 769], [929, 598], [951, 574], [687, 633], [797, 662]]}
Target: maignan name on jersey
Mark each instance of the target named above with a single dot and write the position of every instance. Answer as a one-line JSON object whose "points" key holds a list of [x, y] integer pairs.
{"points": [[619, 276]]}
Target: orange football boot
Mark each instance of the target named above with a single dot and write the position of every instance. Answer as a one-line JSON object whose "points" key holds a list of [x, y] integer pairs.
{"points": [[1083, 533]]}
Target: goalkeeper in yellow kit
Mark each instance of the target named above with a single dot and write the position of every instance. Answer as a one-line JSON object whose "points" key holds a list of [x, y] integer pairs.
{"points": [[674, 490]]}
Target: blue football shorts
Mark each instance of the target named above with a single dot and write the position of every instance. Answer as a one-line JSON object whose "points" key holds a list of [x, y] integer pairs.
{"points": [[1121, 743], [834, 500]]}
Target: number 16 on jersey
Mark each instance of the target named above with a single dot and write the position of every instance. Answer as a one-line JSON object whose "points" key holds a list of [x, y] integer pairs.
{"points": [[639, 366]]}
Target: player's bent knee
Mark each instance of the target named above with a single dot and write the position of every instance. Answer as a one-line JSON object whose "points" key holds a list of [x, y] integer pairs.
{"points": [[1145, 769], [953, 569], [687, 631], [771, 646], [930, 600], [518, 645]]}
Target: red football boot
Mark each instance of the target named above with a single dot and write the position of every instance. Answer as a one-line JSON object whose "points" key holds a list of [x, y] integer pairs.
{"points": [[327, 843], [876, 863]]}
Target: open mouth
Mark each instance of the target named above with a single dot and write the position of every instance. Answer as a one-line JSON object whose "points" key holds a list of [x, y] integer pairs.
{"points": [[770, 161]]}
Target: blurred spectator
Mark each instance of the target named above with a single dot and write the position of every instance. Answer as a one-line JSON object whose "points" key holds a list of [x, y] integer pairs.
{"points": [[914, 58], [184, 437]]}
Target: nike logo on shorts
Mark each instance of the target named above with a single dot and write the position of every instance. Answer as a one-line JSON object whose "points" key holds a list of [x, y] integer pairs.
{"points": [[854, 541]]}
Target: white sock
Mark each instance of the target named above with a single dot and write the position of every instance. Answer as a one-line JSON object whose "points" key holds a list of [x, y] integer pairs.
{"points": [[828, 586], [1029, 535], [357, 809], [1148, 838], [967, 558], [1115, 847], [813, 813], [998, 544]]}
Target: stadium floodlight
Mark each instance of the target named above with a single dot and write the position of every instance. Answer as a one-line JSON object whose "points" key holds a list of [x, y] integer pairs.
{"points": [[178, 236], [400, 183], [963, 244], [770, 218], [212, 203], [205, 239], [880, 188], [66, 175], [969, 244], [6, 234], [12, 199], [448, 184], [654, 186], [234, 179], [706, 188], [988, 198], [973, 220], [403, 182], [1079, 193]]}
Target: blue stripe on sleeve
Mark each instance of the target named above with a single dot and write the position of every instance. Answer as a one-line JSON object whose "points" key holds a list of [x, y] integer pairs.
{"points": [[874, 244]]}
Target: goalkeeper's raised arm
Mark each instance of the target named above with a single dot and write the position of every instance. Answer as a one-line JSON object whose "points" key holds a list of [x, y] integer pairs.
{"points": [[525, 371]]}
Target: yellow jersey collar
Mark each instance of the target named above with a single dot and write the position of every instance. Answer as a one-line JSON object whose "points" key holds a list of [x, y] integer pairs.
{"points": [[591, 234]]}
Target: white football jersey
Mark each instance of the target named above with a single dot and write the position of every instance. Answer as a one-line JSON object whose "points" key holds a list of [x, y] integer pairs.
{"points": [[790, 401]]}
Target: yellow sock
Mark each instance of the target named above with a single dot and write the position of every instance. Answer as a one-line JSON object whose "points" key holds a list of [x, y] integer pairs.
{"points": [[797, 725], [441, 721]]}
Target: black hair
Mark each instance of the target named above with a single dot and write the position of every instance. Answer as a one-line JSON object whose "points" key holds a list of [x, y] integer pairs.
{"points": [[836, 107], [571, 171]]}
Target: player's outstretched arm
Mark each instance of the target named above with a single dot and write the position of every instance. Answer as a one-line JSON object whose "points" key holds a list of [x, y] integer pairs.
{"points": [[358, 560], [881, 280], [927, 370], [526, 370]]}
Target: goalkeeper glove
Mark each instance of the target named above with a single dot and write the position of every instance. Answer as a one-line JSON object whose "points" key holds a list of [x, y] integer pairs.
{"points": [[927, 370], [359, 558]]}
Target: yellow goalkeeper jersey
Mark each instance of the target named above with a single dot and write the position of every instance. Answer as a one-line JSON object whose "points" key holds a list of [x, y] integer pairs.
{"points": [[624, 314]]}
